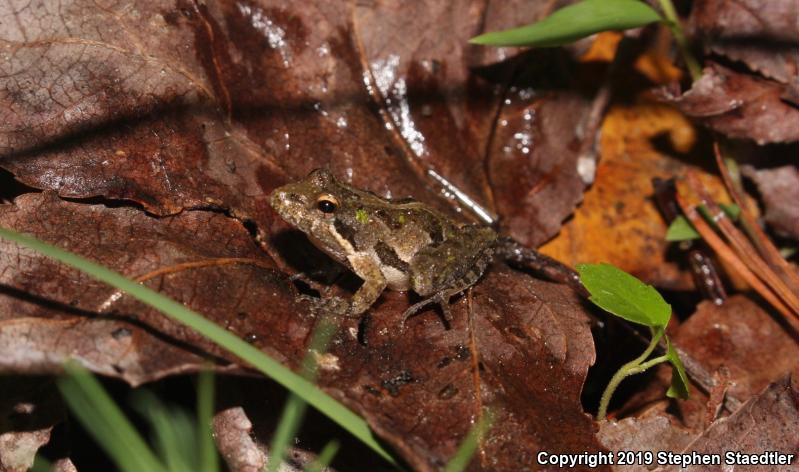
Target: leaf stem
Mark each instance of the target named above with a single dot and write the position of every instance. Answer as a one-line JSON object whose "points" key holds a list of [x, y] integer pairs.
{"points": [[635, 366], [679, 36]]}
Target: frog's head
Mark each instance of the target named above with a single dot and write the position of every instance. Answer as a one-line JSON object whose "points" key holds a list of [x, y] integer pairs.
{"points": [[314, 205]]}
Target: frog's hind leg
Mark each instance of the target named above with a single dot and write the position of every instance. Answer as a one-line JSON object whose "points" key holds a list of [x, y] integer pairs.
{"points": [[461, 281], [440, 298]]}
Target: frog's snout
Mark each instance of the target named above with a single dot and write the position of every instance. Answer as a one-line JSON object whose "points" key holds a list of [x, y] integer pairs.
{"points": [[284, 201], [276, 198]]}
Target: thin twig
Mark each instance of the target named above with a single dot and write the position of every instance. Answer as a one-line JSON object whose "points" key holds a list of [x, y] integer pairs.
{"points": [[744, 248], [724, 252], [762, 242]]}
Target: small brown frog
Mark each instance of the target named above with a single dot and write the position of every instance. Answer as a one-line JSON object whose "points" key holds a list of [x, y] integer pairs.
{"points": [[403, 244]]}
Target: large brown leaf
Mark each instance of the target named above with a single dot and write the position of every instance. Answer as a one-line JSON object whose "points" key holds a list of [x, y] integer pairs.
{"points": [[195, 111], [48, 312], [767, 422], [518, 345], [215, 105]]}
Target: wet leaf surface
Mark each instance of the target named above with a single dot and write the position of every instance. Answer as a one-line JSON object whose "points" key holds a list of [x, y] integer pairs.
{"points": [[214, 106], [170, 123], [158, 129], [520, 326]]}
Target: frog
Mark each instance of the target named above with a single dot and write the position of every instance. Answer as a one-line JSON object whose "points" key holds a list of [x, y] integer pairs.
{"points": [[398, 244]]}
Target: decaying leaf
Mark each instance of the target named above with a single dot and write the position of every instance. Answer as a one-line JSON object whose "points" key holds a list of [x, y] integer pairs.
{"points": [[653, 433], [740, 106], [767, 422], [515, 339], [741, 337], [615, 223], [740, 347], [29, 408], [179, 118], [157, 131], [779, 189], [49, 313], [760, 34]]}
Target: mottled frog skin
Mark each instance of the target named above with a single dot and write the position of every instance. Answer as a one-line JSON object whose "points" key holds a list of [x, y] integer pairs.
{"points": [[400, 245]]}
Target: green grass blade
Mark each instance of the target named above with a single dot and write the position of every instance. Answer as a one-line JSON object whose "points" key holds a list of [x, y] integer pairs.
{"points": [[98, 413], [173, 432], [469, 445], [290, 419], [273, 369], [325, 457], [209, 459], [295, 407], [573, 22]]}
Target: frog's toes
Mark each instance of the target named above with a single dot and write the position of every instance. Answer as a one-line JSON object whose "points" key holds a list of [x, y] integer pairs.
{"points": [[328, 305], [441, 299]]}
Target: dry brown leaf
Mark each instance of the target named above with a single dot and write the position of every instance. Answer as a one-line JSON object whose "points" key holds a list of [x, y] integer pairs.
{"points": [[779, 189], [618, 222], [767, 422], [739, 106], [760, 34]]}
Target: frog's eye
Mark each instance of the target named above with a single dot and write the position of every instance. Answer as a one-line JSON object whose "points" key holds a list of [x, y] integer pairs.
{"points": [[326, 203]]}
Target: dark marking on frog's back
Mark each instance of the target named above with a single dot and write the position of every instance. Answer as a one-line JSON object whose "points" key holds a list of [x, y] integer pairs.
{"points": [[393, 219], [347, 232], [389, 257], [435, 229]]}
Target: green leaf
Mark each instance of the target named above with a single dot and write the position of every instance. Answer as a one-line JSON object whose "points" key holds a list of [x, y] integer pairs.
{"points": [[679, 379], [270, 367], [681, 230], [620, 293], [732, 210], [573, 22]]}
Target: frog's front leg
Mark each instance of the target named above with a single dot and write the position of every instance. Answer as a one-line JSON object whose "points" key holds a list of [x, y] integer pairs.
{"points": [[366, 267]]}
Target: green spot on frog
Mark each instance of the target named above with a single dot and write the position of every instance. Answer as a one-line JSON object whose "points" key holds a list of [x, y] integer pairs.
{"points": [[362, 216], [401, 219]]}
